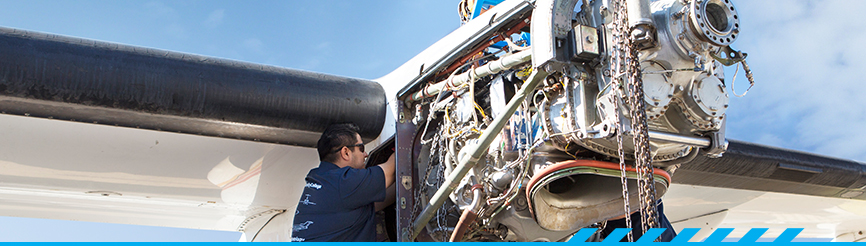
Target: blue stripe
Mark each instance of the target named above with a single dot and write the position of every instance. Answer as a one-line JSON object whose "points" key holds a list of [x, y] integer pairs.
{"points": [[651, 235], [718, 235], [753, 235], [685, 235], [616, 235], [582, 235], [788, 235]]}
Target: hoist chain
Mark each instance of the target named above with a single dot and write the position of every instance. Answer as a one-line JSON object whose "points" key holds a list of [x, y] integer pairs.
{"points": [[616, 65], [627, 74], [643, 158], [435, 153]]}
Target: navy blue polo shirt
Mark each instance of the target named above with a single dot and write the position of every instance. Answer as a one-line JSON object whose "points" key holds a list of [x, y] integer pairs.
{"points": [[337, 204]]}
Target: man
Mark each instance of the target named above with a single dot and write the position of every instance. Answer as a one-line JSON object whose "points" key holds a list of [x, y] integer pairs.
{"points": [[338, 199], [636, 225]]}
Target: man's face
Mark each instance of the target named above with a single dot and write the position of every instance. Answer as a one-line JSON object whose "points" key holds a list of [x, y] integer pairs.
{"points": [[358, 156]]}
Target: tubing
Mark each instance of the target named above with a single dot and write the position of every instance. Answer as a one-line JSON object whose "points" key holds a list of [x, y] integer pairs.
{"points": [[469, 215], [492, 67], [674, 138], [474, 153]]}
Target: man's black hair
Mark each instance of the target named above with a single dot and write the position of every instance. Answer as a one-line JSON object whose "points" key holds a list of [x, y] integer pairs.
{"points": [[335, 137]]}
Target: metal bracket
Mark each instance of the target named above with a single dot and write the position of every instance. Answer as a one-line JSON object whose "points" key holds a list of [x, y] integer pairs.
{"points": [[406, 181], [734, 56], [718, 143]]}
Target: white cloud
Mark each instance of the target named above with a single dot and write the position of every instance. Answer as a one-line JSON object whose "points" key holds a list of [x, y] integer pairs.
{"points": [[324, 46], [254, 44], [808, 66], [372, 65], [311, 64], [215, 18], [321, 52], [160, 10], [176, 30], [168, 16]]}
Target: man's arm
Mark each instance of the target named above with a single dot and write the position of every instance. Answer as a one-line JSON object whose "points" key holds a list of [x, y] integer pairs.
{"points": [[390, 189], [388, 168], [390, 197]]}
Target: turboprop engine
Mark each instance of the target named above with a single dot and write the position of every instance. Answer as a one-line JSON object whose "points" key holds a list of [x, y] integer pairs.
{"points": [[564, 115]]}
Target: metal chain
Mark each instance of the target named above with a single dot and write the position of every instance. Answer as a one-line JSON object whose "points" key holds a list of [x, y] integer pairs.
{"points": [[423, 183], [618, 68], [624, 179], [643, 157], [627, 64]]}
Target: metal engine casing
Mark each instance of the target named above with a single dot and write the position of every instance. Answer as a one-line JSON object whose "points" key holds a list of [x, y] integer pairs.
{"points": [[683, 85]]}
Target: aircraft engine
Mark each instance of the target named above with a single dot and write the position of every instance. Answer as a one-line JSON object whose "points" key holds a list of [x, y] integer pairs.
{"points": [[522, 138], [683, 85]]}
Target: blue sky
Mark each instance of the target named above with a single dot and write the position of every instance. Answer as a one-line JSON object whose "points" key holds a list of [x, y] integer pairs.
{"points": [[350, 38], [807, 58]]}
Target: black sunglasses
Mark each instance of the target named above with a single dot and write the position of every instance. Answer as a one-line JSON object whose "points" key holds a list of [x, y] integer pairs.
{"points": [[360, 147]]}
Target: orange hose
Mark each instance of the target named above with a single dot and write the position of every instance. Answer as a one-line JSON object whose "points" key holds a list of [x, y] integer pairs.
{"points": [[466, 219]]}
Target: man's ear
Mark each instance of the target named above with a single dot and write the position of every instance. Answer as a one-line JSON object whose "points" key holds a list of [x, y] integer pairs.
{"points": [[345, 154]]}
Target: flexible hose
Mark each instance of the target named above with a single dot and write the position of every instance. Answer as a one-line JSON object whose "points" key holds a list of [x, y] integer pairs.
{"points": [[469, 215]]}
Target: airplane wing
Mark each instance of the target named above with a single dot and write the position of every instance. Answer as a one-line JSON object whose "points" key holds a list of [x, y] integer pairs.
{"points": [[209, 179], [247, 129], [756, 186], [756, 167]]}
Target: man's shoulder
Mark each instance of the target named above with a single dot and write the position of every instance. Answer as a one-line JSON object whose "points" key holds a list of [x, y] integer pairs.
{"points": [[343, 178], [331, 170]]}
